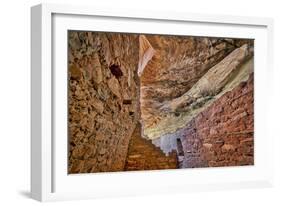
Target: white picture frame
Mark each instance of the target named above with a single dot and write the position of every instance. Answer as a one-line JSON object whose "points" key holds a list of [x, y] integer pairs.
{"points": [[49, 178]]}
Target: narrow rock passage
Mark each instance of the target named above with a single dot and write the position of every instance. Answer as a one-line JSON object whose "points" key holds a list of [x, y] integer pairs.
{"points": [[143, 155]]}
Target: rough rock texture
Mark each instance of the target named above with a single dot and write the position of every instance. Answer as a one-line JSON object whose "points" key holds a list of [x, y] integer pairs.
{"points": [[143, 155], [213, 81], [222, 135], [196, 101], [103, 99], [174, 127], [175, 65]]}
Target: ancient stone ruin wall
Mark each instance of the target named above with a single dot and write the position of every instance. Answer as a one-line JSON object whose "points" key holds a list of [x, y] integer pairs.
{"points": [[222, 135], [103, 99]]}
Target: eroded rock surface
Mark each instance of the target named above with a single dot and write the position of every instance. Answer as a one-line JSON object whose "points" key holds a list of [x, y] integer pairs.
{"points": [[177, 64], [103, 99], [225, 136]]}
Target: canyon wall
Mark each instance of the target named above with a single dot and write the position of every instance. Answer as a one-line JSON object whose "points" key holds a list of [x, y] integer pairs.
{"points": [[202, 144], [103, 99], [175, 65]]}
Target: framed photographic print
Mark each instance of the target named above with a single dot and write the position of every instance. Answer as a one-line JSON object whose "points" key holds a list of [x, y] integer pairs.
{"points": [[135, 102]]}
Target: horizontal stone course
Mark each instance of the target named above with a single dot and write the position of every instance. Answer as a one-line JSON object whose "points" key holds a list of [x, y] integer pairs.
{"points": [[223, 134]]}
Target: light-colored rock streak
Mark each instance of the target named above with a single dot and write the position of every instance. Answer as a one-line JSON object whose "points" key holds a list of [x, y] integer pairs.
{"points": [[238, 70], [213, 81], [146, 52]]}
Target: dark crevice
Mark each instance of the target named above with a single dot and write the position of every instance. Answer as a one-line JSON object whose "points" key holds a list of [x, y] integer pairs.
{"points": [[127, 101], [116, 71]]}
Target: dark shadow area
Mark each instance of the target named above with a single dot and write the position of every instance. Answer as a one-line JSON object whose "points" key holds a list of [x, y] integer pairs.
{"points": [[25, 193], [116, 71]]}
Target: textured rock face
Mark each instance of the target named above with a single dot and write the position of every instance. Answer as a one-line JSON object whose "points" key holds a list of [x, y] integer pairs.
{"points": [[103, 99], [177, 63], [212, 82], [223, 134]]}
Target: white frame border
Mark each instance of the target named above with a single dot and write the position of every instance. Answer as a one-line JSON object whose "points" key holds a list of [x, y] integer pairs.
{"points": [[42, 87]]}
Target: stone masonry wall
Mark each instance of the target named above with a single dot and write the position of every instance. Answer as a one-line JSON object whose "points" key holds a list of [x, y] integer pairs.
{"points": [[103, 100], [222, 135]]}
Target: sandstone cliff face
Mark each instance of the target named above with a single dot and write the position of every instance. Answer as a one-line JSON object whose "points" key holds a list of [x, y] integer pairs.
{"points": [[177, 63], [216, 73], [103, 99]]}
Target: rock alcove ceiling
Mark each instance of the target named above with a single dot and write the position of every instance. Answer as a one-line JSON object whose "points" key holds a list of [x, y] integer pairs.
{"points": [[143, 102]]}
